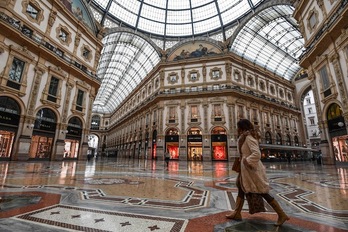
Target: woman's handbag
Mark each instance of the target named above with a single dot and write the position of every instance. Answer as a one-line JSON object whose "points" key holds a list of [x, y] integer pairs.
{"points": [[255, 202], [236, 165]]}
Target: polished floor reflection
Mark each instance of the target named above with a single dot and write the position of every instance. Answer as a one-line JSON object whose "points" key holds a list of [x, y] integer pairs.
{"points": [[109, 194]]}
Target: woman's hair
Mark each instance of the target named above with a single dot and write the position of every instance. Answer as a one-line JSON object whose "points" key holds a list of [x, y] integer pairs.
{"points": [[245, 125]]}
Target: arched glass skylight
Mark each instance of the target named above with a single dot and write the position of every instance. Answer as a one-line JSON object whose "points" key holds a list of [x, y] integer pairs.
{"points": [[125, 61], [272, 40], [174, 18]]}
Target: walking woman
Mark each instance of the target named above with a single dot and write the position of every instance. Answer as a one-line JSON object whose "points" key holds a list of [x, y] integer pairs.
{"points": [[252, 177]]}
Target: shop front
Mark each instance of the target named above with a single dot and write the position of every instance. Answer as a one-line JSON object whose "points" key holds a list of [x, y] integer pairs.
{"points": [[219, 144], [194, 145], [43, 135], [172, 143], [9, 121], [73, 138], [338, 133]]}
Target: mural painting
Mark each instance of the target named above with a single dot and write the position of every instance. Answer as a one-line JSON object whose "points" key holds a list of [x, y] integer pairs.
{"points": [[80, 11], [194, 50]]}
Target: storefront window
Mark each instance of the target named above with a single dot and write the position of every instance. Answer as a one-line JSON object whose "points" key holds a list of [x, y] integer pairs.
{"points": [[40, 147], [6, 142], [340, 145], [219, 144], [71, 148]]}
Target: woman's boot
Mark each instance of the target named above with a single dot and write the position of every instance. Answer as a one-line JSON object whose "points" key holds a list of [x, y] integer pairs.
{"points": [[282, 217], [236, 215]]}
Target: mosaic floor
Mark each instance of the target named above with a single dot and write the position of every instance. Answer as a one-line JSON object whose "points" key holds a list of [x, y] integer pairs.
{"points": [[110, 194]]}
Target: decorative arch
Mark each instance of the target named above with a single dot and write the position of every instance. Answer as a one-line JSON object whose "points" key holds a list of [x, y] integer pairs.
{"points": [[18, 101], [218, 130], [335, 119], [268, 137], [172, 131], [278, 139], [45, 115]]}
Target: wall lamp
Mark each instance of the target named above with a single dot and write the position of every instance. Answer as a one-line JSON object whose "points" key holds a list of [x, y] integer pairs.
{"points": [[340, 124]]}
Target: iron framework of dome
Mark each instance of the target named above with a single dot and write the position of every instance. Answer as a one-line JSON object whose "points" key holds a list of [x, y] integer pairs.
{"points": [[262, 31]]}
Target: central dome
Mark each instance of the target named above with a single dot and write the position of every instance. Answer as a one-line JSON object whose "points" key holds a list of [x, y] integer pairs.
{"points": [[177, 18]]}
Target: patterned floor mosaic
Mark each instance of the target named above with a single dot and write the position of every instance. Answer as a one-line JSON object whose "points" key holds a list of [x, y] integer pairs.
{"points": [[141, 195], [82, 219]]}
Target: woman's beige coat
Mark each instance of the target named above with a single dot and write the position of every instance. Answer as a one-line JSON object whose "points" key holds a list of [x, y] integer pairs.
{"points": [[253, 180]]}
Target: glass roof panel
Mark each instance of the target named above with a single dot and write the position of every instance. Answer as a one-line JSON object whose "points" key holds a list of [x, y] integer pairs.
{"points": [[159, 4], [125, 60], [204, 12], [146, 24], [178, 16], [125, 14], [238, 8], [102, 3], [202, 26], [174, 30], [177, 5], [267, 38], [155, 14], [270, 38]]}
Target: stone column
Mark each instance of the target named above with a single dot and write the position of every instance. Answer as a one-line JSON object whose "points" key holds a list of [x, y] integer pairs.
{"points": [[24, 140]]}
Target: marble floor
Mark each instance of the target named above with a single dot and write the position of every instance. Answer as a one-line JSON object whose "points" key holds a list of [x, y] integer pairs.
{"points": [[109, 194]]}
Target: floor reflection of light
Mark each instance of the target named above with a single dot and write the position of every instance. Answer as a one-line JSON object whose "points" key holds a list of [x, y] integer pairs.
{"points": [[220, 170], [90, 168], [343, 179], [68, 169], [3, 173]]}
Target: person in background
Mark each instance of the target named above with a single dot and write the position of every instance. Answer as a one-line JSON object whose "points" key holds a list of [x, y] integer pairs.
{"points": [[167, 157], [252, 178]]}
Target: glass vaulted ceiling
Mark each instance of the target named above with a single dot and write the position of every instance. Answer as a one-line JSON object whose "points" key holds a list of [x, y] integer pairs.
{"points": [[263, 32], [272, 40], [126, 59], [174, 18]]}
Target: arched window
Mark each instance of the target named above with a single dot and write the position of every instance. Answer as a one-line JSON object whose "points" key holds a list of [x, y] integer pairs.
{"points": [[9, 105], [95, 122], [268, 137], [45, 120], [296, 141], [279, 139], [288, 140]]}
